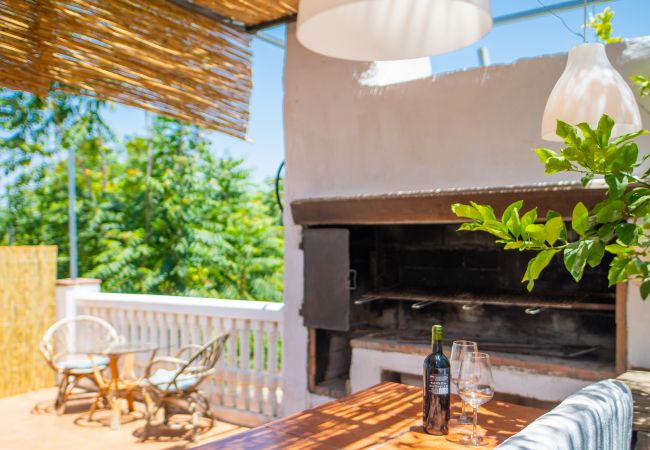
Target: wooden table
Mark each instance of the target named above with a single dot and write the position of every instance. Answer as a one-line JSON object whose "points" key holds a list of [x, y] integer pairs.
{"points": [[386, 416], [639, 383]]}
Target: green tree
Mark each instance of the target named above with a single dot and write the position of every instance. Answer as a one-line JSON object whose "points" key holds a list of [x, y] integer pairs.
{"points": [[159, 214]]}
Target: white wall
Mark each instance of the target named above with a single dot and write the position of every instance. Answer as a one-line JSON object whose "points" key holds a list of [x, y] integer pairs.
{"points": [[465, 129], [638, 329]]}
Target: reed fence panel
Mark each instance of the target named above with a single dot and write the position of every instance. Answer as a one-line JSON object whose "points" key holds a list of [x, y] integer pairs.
{"points": [[27, 285]]}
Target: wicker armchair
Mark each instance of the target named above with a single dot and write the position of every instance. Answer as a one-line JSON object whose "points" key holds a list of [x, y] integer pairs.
{"points": [[176, 390], [66, 346]]}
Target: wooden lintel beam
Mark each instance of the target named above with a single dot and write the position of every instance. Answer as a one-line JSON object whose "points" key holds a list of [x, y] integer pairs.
{"points": [[435, 206]]}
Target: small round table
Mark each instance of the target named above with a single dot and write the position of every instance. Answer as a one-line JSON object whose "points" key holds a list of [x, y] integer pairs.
{"points": [[113, 387]]}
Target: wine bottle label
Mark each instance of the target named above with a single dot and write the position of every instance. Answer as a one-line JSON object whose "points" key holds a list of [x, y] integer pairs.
{"points": [[439, 382]]}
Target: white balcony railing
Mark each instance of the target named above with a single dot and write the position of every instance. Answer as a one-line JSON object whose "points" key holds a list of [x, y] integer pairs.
{"points": [[247, 387]]}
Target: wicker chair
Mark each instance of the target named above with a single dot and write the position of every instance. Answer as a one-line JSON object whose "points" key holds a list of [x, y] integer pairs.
{"points": [[66, 346], [176, 390]]}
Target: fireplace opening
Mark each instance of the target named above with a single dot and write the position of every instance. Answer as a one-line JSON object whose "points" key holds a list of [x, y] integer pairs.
{"points": [[395, 281]]}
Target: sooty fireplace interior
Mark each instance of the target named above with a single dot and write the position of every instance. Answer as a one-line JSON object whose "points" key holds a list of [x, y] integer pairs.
{"points": [[384, 285]]}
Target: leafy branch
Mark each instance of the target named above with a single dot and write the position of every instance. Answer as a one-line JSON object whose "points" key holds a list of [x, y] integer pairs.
{"points": [[602, 24], [618, 225], [643, 83]]}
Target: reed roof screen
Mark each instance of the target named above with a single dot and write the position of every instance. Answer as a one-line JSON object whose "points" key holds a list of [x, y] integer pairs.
{"points": [[148, 54]]}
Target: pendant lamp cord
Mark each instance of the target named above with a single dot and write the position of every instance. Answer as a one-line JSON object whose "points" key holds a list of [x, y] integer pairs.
{"points": [[582, 35]]}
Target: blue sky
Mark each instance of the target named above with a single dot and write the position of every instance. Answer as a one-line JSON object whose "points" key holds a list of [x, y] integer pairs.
{"points": [[506, 44]]}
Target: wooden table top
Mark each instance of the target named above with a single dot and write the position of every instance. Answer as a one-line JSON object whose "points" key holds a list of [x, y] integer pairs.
{"points": [[386, 416], [639, 383]]}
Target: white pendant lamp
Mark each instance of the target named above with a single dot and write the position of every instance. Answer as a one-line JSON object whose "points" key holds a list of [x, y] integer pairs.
{"points": [[588, 88], [380, 30]]}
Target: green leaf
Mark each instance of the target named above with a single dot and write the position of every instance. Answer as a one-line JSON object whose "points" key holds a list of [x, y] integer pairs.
{"points": [[486, 211], [645, 289], [556, 164], [596, 253], [616, 272], [626, 157], [510, 218], [587, 132], [636, 194], [536, 265], [550, 214], [617, 184], [610, 211], [544, 154], [507, 213], [466, 211], [514, 224], [567, 133], [580, 219], [553, 229], [529, 218], [470, 226], [639, 207], [536, 232], [575, 258], [516, 245], [495, 228], [626, 232], [606, 232], [618, 249], [627, 137], [604, 130]]}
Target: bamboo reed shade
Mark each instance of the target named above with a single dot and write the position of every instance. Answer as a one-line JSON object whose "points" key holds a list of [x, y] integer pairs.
{"points": [[251, 12], [148, 54], [27, 283]]}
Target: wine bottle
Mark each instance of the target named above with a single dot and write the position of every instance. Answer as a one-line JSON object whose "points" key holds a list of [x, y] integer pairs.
{"points": [[436, 401]]}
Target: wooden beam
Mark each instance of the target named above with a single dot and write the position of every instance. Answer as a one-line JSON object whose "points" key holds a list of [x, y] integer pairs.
{"points": [[271, 23], [207, 13], [435, 206]]}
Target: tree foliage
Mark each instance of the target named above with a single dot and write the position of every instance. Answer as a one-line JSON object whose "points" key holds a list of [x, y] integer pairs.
{"points": [[157, 214]]}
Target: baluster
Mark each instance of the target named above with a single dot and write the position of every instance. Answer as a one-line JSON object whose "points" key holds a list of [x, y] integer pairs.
{"points": [[214, 389], [163, 332], [131, 324], [205, 324], [194, 332], [143, 336], [183, 325], [166, 322], [124, 324], [230, 369], [258, 369], [243, 377], [115, 320], [270, 405], [174, 333], [150, 326]]}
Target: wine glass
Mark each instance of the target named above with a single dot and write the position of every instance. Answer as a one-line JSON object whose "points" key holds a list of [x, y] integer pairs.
{"points": [[476, 387], [458, 351]]}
